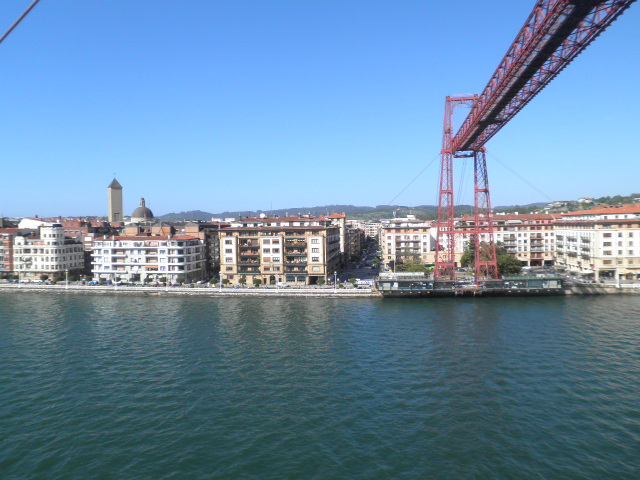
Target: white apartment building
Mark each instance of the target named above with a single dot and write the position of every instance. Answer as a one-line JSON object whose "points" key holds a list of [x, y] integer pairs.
{"points": [[49, 253], [136, 258], [528, 237], [372, 229], [602, 241]]}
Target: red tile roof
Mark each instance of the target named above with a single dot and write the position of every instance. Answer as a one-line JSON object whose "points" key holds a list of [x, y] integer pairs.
{"points": [[612, 209]]}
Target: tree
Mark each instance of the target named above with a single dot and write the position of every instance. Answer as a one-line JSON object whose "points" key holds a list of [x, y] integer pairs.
{"points": [[225, 281], [320, 281], [257, 282], [242, 280], [413, 266], [506, 263], [44, 277]]}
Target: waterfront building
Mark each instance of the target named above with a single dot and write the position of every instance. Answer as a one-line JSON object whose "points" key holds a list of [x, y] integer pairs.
{"points": [[602, 241], [528, 237], [302, 250], [139, 257], [7, 237], [114, 201], [210, 233], [406, 240], [49, 252]]}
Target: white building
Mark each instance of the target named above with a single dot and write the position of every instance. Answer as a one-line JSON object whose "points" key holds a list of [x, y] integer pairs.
{"points": [[136, 258], [600, 241], [50, 253]]}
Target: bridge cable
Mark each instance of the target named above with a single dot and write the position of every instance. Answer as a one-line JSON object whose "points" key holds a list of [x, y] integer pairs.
{"points": [[414, 179], [15, 24], [519, 176]]}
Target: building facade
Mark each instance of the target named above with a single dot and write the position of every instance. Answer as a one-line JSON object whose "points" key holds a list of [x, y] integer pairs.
{"points": [[48, 253], [148, 258], [528, 237], [600, 242], [296, 250], [406, 240]]}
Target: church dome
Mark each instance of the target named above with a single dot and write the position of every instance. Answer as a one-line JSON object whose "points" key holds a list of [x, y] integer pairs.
{"points": [[142, 213]]}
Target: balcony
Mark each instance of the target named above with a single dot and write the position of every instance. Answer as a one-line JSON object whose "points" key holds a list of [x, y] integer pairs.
{"points": [[248, 243], [288, 270], [251, 270], [250, 253], [289, 241], [248, 262], [297, 251], [290, 261]]}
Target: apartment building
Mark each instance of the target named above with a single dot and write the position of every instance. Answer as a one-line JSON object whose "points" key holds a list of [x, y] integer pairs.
{"points": [[372, 229], [404, 240], [7, 237], [49, 252], [600, 242], [355, 242], [527, 237], [140, 257], [300, 250]]}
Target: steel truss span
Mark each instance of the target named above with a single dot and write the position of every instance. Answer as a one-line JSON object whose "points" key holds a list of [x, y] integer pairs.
{"points": [[555, 33]]}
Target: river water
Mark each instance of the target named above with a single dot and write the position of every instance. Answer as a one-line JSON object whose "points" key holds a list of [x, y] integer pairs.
{"points": [[318, 388]]}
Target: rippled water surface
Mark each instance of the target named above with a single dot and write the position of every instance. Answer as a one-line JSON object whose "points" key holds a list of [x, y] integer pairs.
{"points": [[285, 388]]}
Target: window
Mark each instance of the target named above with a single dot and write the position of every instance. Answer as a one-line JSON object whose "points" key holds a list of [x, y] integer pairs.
{"points": [[276, 269], [606, 244], [228, 260], [607, 252], [315, 269], [229, 269], [266, 250], [315, 259], [275, 250], [266, 241], [276, 259], [315, 240], [228, 242], [607, 235], [315, 250], [228, 250], [276, 241]]}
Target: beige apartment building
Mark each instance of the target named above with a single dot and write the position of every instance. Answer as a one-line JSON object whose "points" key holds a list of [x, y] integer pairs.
{"points": [[600, 242], [404, 240], [300, 250]]}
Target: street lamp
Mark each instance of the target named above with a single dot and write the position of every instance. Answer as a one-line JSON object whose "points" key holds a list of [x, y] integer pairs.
{"points": [[66, 276], [276, 281], [335, 282], [220, 282]]}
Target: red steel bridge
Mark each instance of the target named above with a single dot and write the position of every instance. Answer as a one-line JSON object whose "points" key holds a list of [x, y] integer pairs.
{"points": [[553, 35]]}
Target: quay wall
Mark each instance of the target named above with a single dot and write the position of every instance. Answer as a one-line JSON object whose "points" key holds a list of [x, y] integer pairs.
{"points": [[595, 289], [210, 292]]}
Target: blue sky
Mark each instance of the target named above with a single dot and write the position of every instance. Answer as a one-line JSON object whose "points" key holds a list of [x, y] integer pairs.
{"points": [[247, 105]]}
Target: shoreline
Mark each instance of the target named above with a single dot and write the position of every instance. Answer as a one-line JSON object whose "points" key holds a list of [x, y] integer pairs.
{"points": [[586, 289], [196, 291]]}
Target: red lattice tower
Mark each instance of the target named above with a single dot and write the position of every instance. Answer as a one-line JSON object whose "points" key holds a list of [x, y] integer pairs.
{"points": [[482, 232], [553, 35]]}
